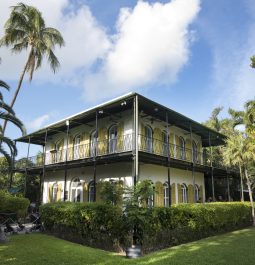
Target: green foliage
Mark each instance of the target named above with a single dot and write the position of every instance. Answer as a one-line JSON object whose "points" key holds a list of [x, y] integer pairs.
{"points": [[12, 204], [93, 224], [111, 192], [106, 226]]}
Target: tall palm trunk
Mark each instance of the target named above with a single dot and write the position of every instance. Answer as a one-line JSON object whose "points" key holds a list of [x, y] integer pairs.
{"points": [[241, 181], [18, 88], [250, 195]]}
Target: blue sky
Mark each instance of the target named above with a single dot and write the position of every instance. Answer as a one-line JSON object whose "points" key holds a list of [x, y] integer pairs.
{"points": [[189, 55]]}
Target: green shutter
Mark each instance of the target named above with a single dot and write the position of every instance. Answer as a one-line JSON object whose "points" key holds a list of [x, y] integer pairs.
{"points": [[159, 194], [173, 194], [190, 194]]}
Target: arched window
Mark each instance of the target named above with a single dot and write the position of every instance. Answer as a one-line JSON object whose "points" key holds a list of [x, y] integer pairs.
{"points": [[165, 143], [54, 192], [91, 192], [57, 153], [166, 194], [194, 152], [93, 143], [112, 139], [182, 149], [76, 190], [148, 139], [197, 194], [184, 193], [76, 147]]}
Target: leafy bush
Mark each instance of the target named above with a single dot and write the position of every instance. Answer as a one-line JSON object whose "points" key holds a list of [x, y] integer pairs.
{"points": [[108, 227], [93, 224], [12, 204]]}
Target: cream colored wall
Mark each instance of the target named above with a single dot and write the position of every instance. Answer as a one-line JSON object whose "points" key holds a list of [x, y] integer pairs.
{"points": [[178, 176]]}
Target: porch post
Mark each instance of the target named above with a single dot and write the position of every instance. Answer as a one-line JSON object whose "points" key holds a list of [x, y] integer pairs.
{"points": [[25, 183], [168, 162], [94, 158], [213, 194], [135, 149], [193, 168], [44, 159], [12, 167], [66, 157], [228, 189]]}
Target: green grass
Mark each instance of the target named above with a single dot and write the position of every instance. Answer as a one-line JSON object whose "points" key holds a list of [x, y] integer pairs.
{"points": [[231, 248]]}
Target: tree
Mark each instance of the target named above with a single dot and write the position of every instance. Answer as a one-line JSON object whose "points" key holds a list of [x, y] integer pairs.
{"points": [[25, 29], [111, 192]]}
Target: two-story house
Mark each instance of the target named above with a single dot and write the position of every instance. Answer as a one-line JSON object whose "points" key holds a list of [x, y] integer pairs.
{"points": [[127, 139]]}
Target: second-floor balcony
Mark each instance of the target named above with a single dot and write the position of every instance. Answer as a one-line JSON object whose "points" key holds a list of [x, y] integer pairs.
{"points": [[117, 145]]}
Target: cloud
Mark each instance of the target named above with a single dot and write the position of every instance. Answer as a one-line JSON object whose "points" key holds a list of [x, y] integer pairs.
{"points": [[151, 45], [85, 41], [39, 122]]}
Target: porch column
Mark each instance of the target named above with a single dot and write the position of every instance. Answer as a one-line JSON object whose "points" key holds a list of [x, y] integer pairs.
{"points": [[12, 167], [193, 168], [135, 134], [66, 157], [211, 164], [25, 183], [228, 189], [168, 162], [94, 158], [44, 162]]}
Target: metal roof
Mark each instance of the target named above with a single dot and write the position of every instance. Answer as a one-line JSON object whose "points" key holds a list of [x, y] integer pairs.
{"points": [[114, 107]]}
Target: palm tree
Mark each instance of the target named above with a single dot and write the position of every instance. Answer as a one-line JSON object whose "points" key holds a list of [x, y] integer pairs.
{"points": [[7, 114], [25, 29]]}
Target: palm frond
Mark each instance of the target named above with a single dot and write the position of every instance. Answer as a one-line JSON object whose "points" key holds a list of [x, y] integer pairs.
{"points": [[14, 120], [6, 155], [5, 85], [7, 107]]}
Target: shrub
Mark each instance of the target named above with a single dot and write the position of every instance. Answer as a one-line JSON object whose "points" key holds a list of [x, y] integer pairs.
{"points": [[93, 224], [12, 204], [108, 227]]}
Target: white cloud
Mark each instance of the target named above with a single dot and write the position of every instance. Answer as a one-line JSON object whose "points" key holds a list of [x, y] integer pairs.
{"points": [[151, 45], [38, 122], [86, 41]]}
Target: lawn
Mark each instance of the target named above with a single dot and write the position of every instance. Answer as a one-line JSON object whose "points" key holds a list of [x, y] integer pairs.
{"points": [[231, 248]]}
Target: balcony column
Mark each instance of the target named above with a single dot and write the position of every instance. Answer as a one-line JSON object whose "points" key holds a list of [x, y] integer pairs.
{"points": [[44, 162], [12, 167], [193, 159], [25, 182], [168, 162], [228, 189], [66, 157], [135, 134], [95, 158], [211, 165]]}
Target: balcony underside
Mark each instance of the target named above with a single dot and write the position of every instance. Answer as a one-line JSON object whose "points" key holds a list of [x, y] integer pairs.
{"points": [[144, 158]]}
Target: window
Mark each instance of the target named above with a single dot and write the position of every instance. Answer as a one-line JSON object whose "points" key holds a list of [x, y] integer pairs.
{"points": [[93, 143], [184, 193], [57, 153], [165, 143], [76, 190], [182, 149], [91, 191], [166, 194], [113, 139], [194, 152], [148, 139], [197, 193], [76, 147], [54, 192]]}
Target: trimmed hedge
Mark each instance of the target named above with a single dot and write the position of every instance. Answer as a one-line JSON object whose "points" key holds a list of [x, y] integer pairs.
{"points": [[12, 204], [107, 227], [92, 224]]}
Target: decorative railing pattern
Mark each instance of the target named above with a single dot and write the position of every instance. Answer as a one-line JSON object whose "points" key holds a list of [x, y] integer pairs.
{"points": [[114, 146]]}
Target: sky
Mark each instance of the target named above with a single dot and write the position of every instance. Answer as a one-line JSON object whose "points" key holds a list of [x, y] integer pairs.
{"points": [[190, 55]]}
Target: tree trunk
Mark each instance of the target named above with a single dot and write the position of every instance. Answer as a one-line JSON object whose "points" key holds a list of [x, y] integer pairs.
{"points": [[241, 181], [250, 195], [17, 89]]}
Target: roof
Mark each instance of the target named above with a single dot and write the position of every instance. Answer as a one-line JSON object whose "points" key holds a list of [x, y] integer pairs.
{"points": [[115, 106]]}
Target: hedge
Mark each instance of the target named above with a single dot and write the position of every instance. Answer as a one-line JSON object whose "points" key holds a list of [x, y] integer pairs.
{"points": [[108, 227], [92, 224], [12, 204]]}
